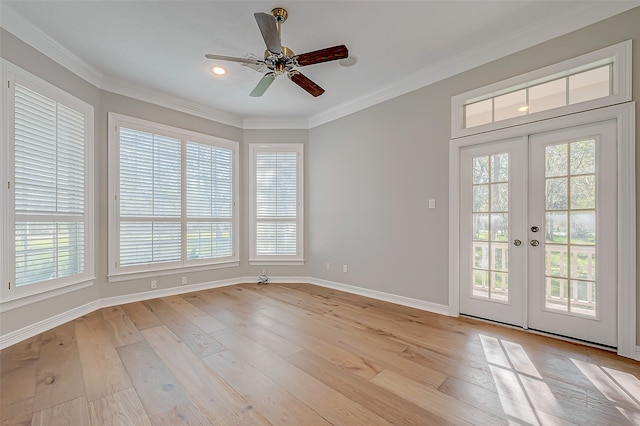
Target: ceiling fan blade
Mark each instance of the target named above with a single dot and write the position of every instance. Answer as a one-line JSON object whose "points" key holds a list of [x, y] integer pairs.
{"points": [[322, 55], [301, 80], [263, 85], [250, 61], [269, 29]]}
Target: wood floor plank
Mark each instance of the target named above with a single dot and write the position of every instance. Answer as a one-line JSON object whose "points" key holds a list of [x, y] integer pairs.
{"points": [[102, 368], [277, 405], [58, 379], [195, 338], [120, 327], [440, 404], [218, 401], [161, 394], [122, 408], [140, 315], [302, 354], [324, 400], [394, 409], [68, 413], [18, 371], [201, 319]]}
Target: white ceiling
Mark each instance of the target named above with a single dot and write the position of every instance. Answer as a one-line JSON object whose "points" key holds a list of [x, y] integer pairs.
{"points": [[154, 50]]}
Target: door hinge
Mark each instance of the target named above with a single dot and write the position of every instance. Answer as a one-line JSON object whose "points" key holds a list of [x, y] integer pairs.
{"points": [[9, 285]]}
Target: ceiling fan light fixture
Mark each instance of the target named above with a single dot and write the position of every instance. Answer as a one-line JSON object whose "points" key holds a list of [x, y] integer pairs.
{"points": [[218, 70]]}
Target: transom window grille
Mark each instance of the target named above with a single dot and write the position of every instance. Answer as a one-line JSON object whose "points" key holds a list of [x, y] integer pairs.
{"points": [[593, 80]]}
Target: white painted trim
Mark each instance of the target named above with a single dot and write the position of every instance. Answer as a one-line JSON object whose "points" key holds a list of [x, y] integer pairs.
{"points": [[625, 116], [49, 323], [277, 123], [386, 297], [618, 55], [13, 22], [582, 14], [637, 357]]}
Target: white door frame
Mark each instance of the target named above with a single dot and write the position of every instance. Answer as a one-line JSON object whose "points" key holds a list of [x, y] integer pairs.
{"points": [[624, 114]]}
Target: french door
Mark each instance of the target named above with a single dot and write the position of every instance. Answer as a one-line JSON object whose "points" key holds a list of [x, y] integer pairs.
{"points": [[538, 232]]}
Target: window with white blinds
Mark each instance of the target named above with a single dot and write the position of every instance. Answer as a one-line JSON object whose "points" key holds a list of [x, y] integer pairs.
{"points": [[49, 226], [276, 204], [175, 199]]}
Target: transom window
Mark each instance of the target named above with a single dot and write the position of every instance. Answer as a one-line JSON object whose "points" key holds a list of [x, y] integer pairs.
{"points": [[590, 81], [175, 199]]}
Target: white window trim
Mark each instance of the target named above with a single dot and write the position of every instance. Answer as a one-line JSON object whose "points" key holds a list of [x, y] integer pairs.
{"points": [[31, 293], [254, 258], [116, 273], [624, 114], [619, 55]]}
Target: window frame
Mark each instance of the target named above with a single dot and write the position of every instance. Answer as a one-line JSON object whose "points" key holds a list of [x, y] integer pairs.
{"points": [[28, 293], [298, 258], [118, 273], [618, 56]]}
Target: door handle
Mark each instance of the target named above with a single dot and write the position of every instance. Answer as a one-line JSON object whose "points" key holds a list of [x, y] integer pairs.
{"points": [[534, 243], [517, 242]]}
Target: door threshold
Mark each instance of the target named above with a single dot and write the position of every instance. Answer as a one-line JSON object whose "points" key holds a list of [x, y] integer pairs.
{"points": [[546, 334]]}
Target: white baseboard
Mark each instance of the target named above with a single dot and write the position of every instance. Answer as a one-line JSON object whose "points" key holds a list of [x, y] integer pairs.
{"points": [[49, 323], [387, 297], [637, 357]]}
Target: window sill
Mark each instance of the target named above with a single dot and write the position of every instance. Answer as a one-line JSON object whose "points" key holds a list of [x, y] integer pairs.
{"points": [[265, 262], [151, 273], [18, 301]]}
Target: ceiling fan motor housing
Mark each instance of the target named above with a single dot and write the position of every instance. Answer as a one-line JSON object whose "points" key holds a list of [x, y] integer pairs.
{"points": [[280, 63]]}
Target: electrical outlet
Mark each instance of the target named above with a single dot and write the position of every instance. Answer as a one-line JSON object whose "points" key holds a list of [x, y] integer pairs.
{"points": [[264, 272], [345, 268], [327, 266], [184, 280], [154, 284]]}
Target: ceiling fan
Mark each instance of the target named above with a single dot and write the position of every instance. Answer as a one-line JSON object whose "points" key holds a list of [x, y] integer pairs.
{"points": [[280, 59]]}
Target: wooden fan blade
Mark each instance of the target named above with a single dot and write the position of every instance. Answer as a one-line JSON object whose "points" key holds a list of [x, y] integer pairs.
{"points": [[322, 55], [301, 80], [234, 59], [269, 31], [263, 85]]}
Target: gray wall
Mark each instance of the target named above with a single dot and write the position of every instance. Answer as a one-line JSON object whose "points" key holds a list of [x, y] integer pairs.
{"points": [[369, 177], [371, 173]]}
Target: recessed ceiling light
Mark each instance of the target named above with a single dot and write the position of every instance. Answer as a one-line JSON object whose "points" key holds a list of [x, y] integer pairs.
{"points": [[523, 108], [218, 70]]}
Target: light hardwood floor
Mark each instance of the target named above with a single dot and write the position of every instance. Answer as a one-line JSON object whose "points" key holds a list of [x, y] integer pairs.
{"points": [[305, 355]]}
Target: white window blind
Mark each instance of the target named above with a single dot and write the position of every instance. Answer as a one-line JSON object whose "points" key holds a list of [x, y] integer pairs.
{"points": [[209, 201], [277, 206], [150, 198], [49, 188], [175, 203]]}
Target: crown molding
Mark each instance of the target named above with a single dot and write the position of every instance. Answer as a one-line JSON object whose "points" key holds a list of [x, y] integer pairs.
{"points": [[27, 32], [268, 123], [579, 17], [175, 103]]}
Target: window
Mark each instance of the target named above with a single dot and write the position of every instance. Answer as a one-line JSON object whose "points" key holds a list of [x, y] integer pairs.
{"points": [[174, 198], [594, 80], [48, 225], [276, 204]]}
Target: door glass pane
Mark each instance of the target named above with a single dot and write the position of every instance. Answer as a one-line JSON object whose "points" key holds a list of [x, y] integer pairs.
{"points": [[570, 227], [490, 192]]}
